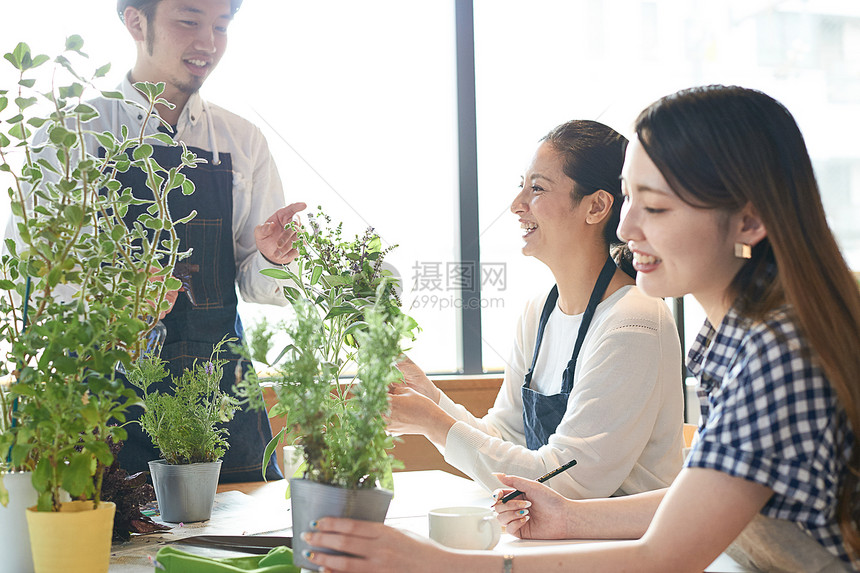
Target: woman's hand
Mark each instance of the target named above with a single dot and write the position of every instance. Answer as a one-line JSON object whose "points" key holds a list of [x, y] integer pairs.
{"points": [[415, 413], [374, 547], [414, 377], [540, 513]]}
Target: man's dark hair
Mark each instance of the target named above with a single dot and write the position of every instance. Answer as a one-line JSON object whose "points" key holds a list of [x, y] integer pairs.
{"points": [[148, 7]]}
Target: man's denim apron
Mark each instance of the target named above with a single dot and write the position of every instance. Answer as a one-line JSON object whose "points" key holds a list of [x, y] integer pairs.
{"points": [[542, 413], [193, 330]]}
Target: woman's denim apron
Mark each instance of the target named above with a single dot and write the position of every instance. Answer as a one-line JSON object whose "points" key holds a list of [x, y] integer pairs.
{"points": [[541, 413], [192, 330]]}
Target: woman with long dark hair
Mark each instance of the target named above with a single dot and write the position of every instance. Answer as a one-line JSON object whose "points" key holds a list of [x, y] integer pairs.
{"points": [[595, 370], [720, 202]]}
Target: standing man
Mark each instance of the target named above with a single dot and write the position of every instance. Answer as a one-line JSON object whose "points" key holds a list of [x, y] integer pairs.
{"points": [[239, 227]]}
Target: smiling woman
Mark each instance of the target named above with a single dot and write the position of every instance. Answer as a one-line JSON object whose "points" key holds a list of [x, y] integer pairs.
{"points": [[674, 260], [594, 370], [772, 479]]}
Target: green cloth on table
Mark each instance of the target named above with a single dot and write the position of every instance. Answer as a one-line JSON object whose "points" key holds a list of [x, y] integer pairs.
{"points": [[278, 560]]}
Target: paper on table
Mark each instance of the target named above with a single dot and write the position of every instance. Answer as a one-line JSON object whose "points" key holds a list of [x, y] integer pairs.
{"points": [[268, 513], [234, 513]]}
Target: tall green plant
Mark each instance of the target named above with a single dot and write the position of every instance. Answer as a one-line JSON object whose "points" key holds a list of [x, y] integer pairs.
{"points": [[78, 295], [347, 311]]}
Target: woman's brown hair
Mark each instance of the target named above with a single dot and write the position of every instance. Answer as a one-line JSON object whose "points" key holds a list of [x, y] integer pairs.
{"points": [[725, 147]]}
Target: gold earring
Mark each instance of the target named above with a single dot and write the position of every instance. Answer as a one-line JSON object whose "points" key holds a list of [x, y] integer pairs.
{"points": [[743, 251]]}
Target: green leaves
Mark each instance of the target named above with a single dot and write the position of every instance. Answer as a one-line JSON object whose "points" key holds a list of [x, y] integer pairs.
{"points": [[59, 135], [74, 43], [22, 59], [106, 140], [74, 90], [345, 309], [276, 273], [102, 71], [25, 102], [74, 214], [162, 138], [18, 131], [150, 90], [77, 477], [142, 152], [187, 187], [185, 424], [42, 474], [85, 112]]}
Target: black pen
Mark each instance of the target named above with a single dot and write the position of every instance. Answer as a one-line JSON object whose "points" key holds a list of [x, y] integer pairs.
{"points": [[541, 479]]}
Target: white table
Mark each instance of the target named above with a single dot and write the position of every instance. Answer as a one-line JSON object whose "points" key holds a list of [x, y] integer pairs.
{"points": [[260, 508]]}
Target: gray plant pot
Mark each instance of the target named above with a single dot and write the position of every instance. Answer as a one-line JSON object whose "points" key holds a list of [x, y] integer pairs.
{"points": [[185, 493], [311, 501]]}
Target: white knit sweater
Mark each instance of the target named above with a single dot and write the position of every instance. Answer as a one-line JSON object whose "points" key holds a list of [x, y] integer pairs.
{"points": [[624, 417]]}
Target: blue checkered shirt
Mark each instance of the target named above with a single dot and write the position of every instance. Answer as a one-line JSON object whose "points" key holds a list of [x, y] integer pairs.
{"points": [[770, 416]]}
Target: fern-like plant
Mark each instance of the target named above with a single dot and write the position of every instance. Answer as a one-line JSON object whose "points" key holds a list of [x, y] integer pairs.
{"points": [[186, 424]]}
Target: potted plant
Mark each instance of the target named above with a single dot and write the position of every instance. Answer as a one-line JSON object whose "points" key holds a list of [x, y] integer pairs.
{"points": [[184, 424], [346, 312], [80, 289]]}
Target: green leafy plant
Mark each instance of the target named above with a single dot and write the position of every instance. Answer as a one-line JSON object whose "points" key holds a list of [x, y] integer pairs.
{"points": [[341, 277], [81, 288], [346, 311], [184, 424]]}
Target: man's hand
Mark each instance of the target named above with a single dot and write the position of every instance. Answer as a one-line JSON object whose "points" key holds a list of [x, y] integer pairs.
{"points": [[274, 241], [170, 296]]}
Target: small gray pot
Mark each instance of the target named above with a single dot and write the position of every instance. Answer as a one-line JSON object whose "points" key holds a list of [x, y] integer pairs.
{"points": [[311, 501], [185, 492]]}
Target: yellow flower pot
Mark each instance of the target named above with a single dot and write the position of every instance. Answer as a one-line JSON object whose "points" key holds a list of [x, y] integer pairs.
{"points": [[76, 539]]}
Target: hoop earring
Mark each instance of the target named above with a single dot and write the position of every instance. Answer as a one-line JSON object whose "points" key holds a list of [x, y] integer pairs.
{"points": [[743, 251]]}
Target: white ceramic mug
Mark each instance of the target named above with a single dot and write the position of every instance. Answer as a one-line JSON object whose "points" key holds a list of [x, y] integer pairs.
{"points": [[465, 527]]}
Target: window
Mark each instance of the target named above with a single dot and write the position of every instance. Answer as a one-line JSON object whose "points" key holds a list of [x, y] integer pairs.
{"points": [[358, 101], [541, 63]]}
